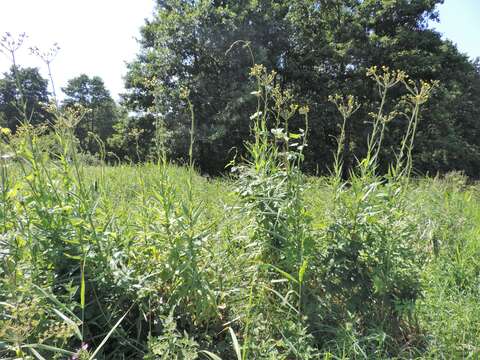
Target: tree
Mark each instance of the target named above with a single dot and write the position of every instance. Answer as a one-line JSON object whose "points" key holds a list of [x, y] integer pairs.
{"points": [[186, 46], [318, 48], [22, 92], [131, 138], [343, 38], [91, 94]]}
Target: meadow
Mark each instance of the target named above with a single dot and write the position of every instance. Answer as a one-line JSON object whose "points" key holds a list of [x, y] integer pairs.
{"points": [[154, 261]]}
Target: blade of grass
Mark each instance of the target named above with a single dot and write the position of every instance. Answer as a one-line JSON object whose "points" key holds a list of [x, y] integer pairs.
{"points": [[211, 355], [105, 339], [236, 345], [49, 348], [56, 302], [36, 354]]}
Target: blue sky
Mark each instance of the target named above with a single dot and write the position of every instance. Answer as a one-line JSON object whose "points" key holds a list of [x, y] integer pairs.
{"points": [[97, 37], [460, 22]]}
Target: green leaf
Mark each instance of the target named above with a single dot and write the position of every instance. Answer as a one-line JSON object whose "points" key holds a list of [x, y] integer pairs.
{"points": [[236, 345], [301, 272], [283, 273], [294, 136], [76, 221], [49, 348], [82, 285]]}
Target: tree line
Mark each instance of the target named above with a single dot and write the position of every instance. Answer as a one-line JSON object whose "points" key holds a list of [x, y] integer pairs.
{"points": [[318, 48]]}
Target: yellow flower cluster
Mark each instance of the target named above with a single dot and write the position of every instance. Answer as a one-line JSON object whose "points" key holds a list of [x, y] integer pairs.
{"points": [[282, 98], [184, 93], [386, 77], [259, 72], [347, 105]]}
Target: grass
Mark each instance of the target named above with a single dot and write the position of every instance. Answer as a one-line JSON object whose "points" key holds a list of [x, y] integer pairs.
{"points": [[447, 313], [154, 261]]}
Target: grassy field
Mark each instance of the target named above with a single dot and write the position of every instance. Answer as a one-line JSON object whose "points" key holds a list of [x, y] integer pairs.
{"points": [[179, 273], [154, 261]]}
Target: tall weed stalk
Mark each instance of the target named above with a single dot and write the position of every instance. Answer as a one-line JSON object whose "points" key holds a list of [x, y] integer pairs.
{"points": [[271, 185], [370, 264]]}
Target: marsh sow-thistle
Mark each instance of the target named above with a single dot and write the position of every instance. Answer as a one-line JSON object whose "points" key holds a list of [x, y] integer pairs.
{"points": [[385, 79], [370, 262]]}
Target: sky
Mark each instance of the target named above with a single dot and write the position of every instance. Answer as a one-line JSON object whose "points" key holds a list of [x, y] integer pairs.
{"points": [[98, 37], [460, 22]]}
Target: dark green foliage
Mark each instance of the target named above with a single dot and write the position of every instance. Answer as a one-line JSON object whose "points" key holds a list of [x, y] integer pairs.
{"points": [[317, 48], [186, 45], [91, 94], [133, 138], [371, 264], [22, 93]]}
